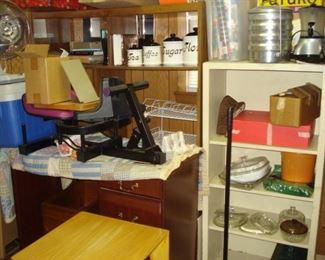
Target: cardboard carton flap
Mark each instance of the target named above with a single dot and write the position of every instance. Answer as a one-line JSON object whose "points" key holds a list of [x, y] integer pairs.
{"points": [[79, 80], [35, 50]]}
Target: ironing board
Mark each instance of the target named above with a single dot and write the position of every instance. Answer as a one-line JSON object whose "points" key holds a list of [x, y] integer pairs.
{"points": [[47, 162]]}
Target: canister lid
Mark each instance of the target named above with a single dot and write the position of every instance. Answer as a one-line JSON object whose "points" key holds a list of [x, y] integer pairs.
{"points": [[150, 43], [248, 164], [194, 33], [269, 9], [134, 47], [312, 8], [235, 218], [173, 38], [291, 213]]}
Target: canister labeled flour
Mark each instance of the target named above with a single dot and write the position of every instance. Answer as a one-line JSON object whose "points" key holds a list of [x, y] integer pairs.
{"points": [[190, 45], [151, 54], [173, 51]]}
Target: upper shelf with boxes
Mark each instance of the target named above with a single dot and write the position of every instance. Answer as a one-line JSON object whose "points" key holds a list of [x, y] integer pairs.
{"points": [[162, 44], [168, 35], [289, 122]]}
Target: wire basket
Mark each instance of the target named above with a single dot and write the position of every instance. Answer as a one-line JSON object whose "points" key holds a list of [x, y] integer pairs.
{"points": [[170, 109]]}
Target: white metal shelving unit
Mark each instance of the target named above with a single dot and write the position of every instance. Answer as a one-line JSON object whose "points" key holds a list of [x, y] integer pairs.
{"points": [[170, 109], [254, 83]]}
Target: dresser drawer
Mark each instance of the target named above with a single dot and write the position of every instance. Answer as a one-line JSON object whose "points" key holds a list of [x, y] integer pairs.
{"points": [[151, 188], [129, 207]]}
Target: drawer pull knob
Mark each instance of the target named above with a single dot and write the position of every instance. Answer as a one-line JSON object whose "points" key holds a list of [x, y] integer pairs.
{"points": [[132, 188], [135, 186], [135, 218], [120, 214]]}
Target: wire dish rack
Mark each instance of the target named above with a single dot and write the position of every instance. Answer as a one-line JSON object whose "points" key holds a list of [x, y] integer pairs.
{"points": [[170, 109], [158, 135]]}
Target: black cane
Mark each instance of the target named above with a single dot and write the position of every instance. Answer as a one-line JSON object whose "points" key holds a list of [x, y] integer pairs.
{"points": [[227, 184]]}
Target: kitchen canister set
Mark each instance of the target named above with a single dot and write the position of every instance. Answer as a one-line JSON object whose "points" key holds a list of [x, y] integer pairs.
{"points": [[173, 52]]}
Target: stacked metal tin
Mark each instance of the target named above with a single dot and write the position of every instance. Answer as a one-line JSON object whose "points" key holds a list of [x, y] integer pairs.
{"points": [[269, 34]]}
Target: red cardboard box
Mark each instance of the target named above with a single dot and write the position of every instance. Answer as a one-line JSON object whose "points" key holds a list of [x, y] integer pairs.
{"points": [[299, 137], [251, 127], [66, 4], [255, 127], [32, 3]]}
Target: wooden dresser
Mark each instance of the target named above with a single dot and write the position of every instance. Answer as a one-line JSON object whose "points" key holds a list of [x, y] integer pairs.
{"points": [[170, 204]]}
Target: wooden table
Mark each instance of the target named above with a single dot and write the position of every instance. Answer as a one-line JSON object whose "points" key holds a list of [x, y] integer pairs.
{"points": [[91, 236]]}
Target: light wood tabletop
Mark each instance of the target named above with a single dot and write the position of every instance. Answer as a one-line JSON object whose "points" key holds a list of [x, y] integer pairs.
{"points": [[91, 236]]}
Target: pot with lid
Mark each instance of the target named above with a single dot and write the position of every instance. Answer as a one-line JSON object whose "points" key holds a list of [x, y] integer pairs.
{"points": [[190, 45], [173, 51], [311, 43], [248, 170], [151, 54], [293, 230]]}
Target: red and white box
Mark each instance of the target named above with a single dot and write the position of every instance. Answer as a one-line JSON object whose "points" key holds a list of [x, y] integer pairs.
{"points": [[254, 127], [299, 137], [251, 127]]}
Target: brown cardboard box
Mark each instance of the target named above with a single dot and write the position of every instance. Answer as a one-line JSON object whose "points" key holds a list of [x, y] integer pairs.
{"points": [[46, 82], [295, 107]]}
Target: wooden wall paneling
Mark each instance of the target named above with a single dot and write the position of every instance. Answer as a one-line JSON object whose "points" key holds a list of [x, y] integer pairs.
{"points": [[181, 81], [161, 26], [127, 26], [172, 25], [158, 84], [181, 125], [122, 25], [177, 81], [128, 76], [130, 25], [66, 30], [181, 24], [177, 24], [173, 84], [111, 73], [114, 25], [77, 33], [53, 28], [136, 75], [158, 89]]}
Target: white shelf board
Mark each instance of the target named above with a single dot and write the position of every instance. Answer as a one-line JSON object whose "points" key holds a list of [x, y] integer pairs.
{"points": [[258, 189], [245, 65], [276, 238], [222, 140], [236, 255]]}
